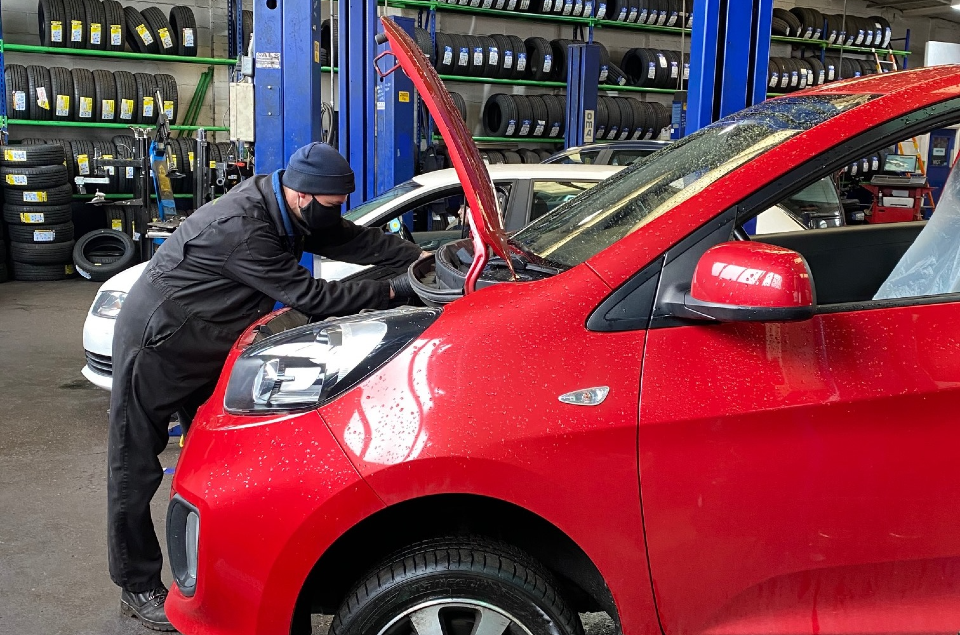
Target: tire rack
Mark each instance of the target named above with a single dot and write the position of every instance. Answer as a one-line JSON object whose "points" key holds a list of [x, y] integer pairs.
{"points": [[427, 19], [825, 46]]}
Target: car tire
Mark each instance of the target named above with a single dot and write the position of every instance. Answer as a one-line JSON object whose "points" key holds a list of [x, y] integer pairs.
{"points": [[539, 58], [170, 94], [147, 109], [18, 91], [139, 36], [59, 195], [525, 123], [115, 29], [96, 32], [329, 39], [41, 234], [105, 96], [183, 26], [62, 104], [640, 117], [35, 178], [27, 272], [41, 253], [84, 94], [34, 215], [74, 24], [81, 151], [556, 109], [103, 253], [126, 86], [50, 16], [40, 93], [500, 116], [161, 30], [490, 579]]}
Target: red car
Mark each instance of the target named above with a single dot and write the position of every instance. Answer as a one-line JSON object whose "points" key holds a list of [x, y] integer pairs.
{"points": [[630, 407]]}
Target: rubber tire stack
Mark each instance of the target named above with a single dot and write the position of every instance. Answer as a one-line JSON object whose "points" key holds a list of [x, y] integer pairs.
{"points": [[38, 212]]}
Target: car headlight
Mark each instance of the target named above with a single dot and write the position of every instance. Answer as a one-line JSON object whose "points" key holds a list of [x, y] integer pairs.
{"points": [[310, 365], [108, 303]]}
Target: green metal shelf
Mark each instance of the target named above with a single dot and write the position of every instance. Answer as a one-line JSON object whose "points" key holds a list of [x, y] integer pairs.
{"points": [[29, 48], [329, 69], [437, 137], [536, 17], [124, 197], [835, 47], [529, 82], [509, 82], [84, 124]]}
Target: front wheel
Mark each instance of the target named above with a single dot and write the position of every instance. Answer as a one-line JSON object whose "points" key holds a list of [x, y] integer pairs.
{"points": [[457, 586]]}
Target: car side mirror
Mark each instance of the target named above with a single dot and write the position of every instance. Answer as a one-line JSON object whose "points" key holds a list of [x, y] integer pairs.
{"points": [[744, 281]]}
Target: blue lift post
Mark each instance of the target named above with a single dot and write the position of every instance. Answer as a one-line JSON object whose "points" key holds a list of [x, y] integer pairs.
{"points": [[357, 82], [583, 73], [727, 71], [268, 83], [396, 101]]}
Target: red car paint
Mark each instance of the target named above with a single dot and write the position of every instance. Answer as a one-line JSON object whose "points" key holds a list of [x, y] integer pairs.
{"points": [[785, 284], [795, 477]]}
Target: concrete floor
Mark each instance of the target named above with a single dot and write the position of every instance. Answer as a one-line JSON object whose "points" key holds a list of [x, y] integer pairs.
{"points": [[53, 445]]}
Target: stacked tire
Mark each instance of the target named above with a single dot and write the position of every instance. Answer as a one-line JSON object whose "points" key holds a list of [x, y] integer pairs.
{"points": [[543, 116], [37, 211], [810, 24], [62, 94], [671, 13], [656, 68], [107, 26], [788, 74]]}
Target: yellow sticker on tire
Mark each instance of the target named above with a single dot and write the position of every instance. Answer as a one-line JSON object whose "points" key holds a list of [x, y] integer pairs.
{"points": [[86, 107], [63, 105], [15, 155], [126, 109], [116, 35], [165, 38], [144, 34], [16, 179], [31, 217], [35, 197]]}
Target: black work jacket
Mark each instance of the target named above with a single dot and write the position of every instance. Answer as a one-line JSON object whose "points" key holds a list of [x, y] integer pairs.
{"points": [[230, 261]]}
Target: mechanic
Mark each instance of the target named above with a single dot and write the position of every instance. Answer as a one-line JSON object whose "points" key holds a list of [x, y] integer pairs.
{"points": [[222, 269]]}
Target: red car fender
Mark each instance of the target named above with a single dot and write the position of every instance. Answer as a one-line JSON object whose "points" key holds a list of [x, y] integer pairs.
{"points": [[413, 431]]}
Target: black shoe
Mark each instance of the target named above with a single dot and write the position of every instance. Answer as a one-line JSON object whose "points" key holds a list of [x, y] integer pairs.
{"points": [[147, 607]]}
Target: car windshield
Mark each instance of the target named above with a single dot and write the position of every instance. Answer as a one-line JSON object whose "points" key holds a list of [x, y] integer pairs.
{"points": [[577, 230], [363, 209]]}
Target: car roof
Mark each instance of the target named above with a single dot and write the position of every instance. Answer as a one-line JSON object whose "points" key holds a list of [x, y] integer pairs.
{"points": [[502, 172]]}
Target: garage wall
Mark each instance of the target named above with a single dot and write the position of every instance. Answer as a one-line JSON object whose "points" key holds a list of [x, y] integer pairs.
{"points": [[20, 26]]}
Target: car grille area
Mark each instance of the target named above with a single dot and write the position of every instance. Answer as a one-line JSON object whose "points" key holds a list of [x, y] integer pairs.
{"points": [[100, 364]]}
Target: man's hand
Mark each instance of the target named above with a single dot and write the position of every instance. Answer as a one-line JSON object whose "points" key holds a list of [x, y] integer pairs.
{"points": [[400, 288]]}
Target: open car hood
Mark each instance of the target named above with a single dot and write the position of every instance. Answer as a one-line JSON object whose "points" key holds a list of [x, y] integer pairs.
{"points": [[478, 189]]}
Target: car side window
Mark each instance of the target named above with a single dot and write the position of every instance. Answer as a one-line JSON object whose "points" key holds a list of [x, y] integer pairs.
{"points": [[548, 195], [816, 206]]}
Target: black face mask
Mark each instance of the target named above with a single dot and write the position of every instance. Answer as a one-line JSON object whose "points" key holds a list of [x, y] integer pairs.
{"points": [[317, 216]]}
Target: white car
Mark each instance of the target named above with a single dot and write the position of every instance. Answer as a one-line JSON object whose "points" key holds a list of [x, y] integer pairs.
{"points": [[429, 207]]}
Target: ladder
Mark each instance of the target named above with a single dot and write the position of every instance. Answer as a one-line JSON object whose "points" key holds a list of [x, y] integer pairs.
{"points": [[890, 61], [920, 163]]}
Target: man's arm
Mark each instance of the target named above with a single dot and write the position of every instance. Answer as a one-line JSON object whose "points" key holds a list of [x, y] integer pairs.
{"points": [[260, 262], [349, 242]]}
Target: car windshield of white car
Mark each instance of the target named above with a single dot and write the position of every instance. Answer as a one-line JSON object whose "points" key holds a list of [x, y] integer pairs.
{"points": [[358, 212], [574, 232]]}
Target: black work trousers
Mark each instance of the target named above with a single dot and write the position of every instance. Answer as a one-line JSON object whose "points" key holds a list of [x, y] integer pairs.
{"points": [[164, 361]]}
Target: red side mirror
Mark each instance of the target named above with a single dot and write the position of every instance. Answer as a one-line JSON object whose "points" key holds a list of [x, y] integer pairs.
{"points": [[750, 281]]}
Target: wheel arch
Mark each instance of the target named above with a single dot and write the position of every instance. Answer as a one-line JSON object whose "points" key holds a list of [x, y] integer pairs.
{"points": [[360, 549]]}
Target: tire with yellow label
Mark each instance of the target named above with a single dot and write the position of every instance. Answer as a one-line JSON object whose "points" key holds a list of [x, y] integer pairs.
{"points": [[16, 178], [169, 94], [39, 93], [139, 36], [126, 85], [63, 102], [160, 28], [74, 24], [184, 26], [37, 215], [115, 25], [84, 95], [55, 233], [147, 110], [42, 253], [26, 156], [59, 195], [105, 107], [96, 33], [50, 17]]}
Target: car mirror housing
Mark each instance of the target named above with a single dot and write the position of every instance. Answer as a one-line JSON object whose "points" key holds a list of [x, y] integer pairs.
{"points": [[744, 281]]}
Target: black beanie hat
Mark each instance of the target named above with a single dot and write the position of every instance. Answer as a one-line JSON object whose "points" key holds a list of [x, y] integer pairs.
{"points": [[317, 168]]}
